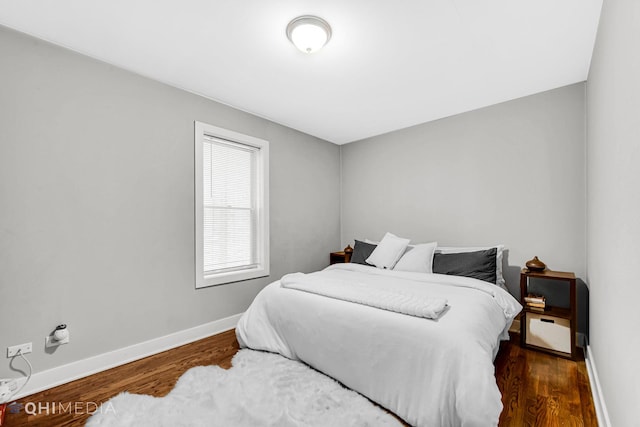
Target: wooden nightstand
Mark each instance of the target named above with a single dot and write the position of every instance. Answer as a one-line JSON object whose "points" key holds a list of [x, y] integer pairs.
{"points": [[342, 256], [554, 329]]}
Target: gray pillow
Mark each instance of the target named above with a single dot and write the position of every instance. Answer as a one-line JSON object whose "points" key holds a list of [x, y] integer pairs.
{"points": [[479, 265], [361, 251]]}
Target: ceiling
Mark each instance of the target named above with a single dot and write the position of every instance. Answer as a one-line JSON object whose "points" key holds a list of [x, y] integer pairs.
{"points": [[389, 65]]}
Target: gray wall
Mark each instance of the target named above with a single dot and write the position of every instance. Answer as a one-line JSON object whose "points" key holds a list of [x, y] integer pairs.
{"points": [[97, 204], [513, 173], [613, 207]]}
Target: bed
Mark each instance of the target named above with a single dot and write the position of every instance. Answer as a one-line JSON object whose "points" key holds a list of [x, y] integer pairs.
{"points": [[429, 371]]}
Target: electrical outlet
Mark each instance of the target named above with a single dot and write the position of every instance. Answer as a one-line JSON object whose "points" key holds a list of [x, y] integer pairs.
{"points": [[50, 341], [12, 351]]}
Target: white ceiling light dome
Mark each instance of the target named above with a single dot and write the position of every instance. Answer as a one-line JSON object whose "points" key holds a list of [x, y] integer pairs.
{"points": [[309, 33]]}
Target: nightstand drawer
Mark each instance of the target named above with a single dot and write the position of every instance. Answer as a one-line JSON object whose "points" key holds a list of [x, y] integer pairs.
{"points": [[550, 332]]}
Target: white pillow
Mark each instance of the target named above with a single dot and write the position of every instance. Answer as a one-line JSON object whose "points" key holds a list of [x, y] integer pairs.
{"points": [[419, 258], [388, 251], [499, 248]]}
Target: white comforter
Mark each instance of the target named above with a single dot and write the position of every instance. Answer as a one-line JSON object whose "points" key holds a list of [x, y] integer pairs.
{"points": [[362, 293], [429, 372]]}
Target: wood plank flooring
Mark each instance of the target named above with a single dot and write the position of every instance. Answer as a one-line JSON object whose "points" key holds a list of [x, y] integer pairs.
{"points": [[537, 389], [155, 375], [540, 389]]}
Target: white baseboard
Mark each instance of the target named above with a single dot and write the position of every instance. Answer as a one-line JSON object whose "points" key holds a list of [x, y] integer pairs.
{"points": [[82, 368], [596, 390]]}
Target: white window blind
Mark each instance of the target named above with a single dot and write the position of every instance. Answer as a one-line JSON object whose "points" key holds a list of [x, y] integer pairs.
{"points": [[229, 205], [232, 234]]}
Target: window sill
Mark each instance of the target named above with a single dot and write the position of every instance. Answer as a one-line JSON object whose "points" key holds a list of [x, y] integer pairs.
{"points": [[231, 277]]}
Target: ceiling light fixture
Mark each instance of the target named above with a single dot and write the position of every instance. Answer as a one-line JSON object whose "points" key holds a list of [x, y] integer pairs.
{"points": [[309, 33]]}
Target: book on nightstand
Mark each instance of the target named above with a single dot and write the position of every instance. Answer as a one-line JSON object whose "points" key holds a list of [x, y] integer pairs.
{"points": [[535, 302], [534, 298]]}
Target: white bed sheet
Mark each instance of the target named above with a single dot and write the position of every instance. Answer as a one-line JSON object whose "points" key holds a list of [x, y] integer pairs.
{"points": [[429, 372]]}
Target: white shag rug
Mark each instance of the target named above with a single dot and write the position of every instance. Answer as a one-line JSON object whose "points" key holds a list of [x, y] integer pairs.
{"points": [[260, 390]]}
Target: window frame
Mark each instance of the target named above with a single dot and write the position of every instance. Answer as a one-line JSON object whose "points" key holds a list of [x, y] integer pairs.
{"points": [[262, 267]]}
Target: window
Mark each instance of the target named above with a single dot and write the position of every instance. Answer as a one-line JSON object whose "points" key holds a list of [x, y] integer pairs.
{"points": [[232, 206]]}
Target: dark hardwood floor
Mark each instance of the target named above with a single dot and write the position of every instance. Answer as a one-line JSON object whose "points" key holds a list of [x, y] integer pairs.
{"points": [[537, 389], [155, 375], [540, 389]]}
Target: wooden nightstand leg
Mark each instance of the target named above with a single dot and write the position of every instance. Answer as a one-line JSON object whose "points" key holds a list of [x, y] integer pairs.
{"points": [[523, 316], [574, 317]]}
